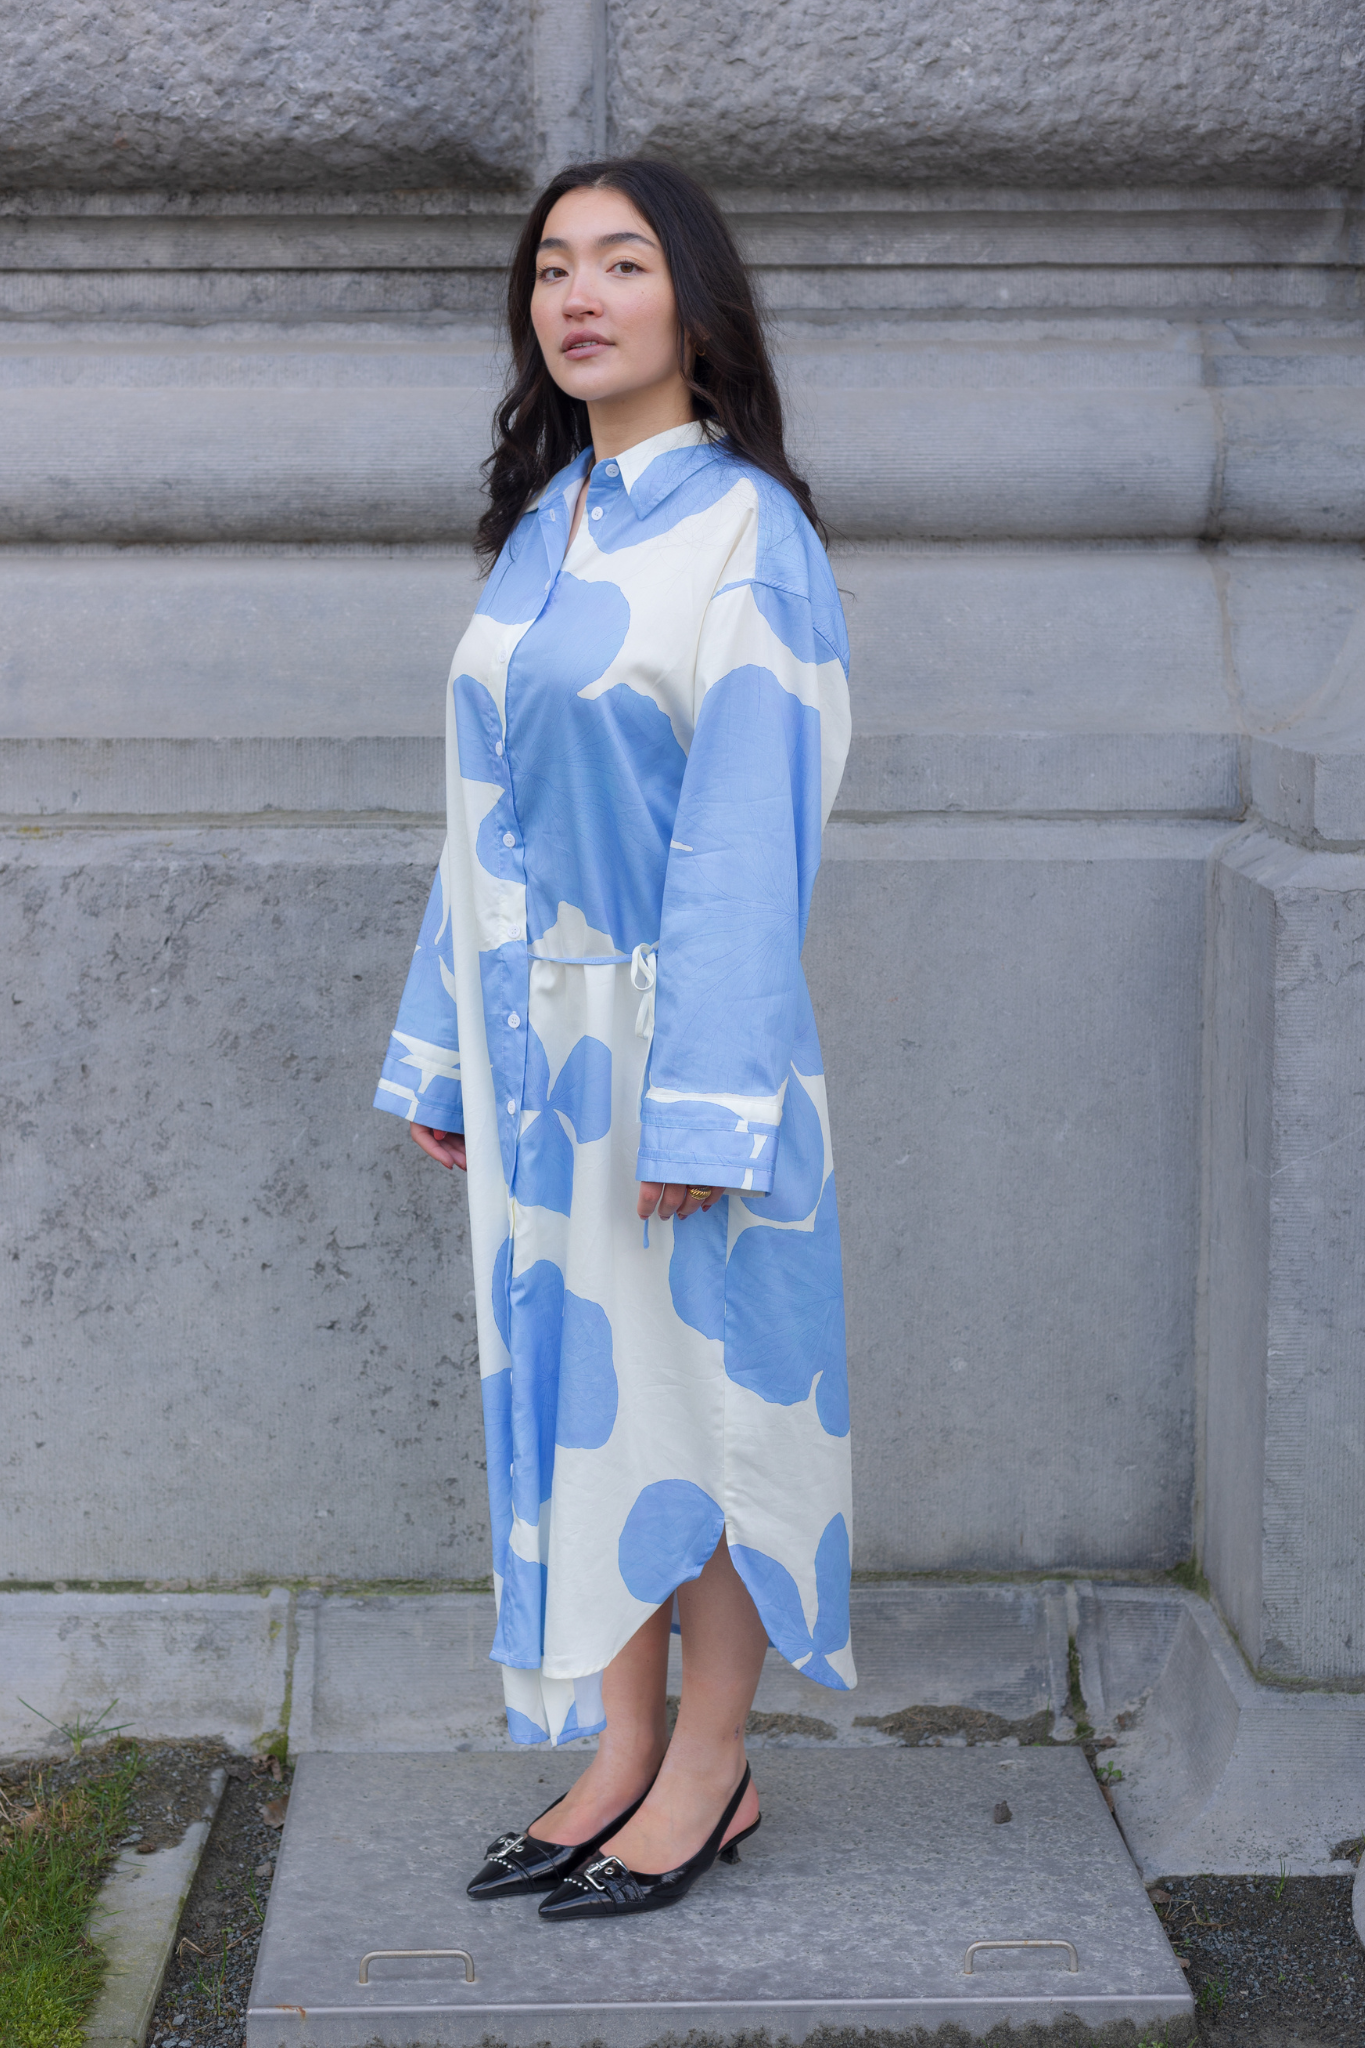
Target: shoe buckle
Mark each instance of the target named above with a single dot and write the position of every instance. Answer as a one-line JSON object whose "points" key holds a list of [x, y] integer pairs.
{"points": [[605, 1867], [506, 1845]]}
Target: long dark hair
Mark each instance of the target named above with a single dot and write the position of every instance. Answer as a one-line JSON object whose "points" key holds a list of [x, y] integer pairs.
{"points": [[540, 427]]}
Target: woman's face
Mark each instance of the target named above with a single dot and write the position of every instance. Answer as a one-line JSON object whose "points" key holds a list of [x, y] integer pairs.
{"points": [[603, 307]]}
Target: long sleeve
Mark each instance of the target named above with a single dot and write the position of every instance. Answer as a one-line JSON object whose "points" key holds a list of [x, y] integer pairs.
{"points": [[766, 756], [420, 1079]]}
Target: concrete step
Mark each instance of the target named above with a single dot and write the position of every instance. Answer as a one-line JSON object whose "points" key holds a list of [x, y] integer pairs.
{"points": [[856, 1905]]}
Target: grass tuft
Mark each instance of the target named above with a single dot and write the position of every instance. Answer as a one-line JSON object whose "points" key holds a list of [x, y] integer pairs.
{"points": [[1190, 1577], [1075, 1698], [54, 1849]]}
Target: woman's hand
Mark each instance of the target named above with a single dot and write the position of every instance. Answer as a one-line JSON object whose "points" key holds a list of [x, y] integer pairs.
{"points": [[445, 1147], [672, 1198]]}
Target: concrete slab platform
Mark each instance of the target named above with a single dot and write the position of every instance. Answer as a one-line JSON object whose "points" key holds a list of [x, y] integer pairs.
{"points": [[854, 1906]]}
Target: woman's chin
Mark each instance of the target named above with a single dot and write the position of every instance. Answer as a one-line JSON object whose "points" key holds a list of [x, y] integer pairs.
{"points": [[592, 381]]}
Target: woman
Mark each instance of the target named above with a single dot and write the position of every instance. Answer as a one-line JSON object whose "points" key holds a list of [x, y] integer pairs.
{"points": [[647, 722]]}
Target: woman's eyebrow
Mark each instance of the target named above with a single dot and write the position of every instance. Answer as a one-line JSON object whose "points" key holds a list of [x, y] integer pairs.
{"points": [[602, 242]]}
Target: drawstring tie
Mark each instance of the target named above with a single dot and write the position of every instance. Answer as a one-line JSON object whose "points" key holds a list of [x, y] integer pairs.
{"points": [[643, 975]]}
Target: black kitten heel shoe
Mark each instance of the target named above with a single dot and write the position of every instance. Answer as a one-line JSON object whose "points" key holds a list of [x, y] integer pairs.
{"points": [[517, 1864], [604, 1887]]}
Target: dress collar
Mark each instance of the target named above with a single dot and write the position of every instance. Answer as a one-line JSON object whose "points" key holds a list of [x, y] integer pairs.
{"points": [[644, 472], [647, 479]]}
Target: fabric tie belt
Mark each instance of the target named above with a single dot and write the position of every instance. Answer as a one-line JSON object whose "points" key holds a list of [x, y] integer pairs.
{"points": [[643, 975]]}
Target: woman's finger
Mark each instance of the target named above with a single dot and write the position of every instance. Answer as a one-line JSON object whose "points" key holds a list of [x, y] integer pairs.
{"points": [[445, 1148], [673, 1199]]}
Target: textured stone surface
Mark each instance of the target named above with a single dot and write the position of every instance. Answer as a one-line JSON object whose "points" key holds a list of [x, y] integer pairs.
{"points": [[194, 643], [177, 1664], [1011, 1028], [481, 93], [240, 1334], [1062, 93], [1284, 1527], [167, 94]]}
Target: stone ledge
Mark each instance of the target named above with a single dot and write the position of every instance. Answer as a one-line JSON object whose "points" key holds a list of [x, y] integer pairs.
{"points": [[284, 458], [1222, 1775], [73, 781], [1316, 792], [178, 1664], [447, 231], [1181, 774], [135, 1921]]}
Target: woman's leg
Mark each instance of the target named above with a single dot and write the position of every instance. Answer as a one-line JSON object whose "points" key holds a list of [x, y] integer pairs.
{"points": [[723, 1642], [632, 1743]]}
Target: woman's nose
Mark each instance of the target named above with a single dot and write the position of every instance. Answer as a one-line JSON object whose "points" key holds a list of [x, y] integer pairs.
{"points": [[581, 301]]}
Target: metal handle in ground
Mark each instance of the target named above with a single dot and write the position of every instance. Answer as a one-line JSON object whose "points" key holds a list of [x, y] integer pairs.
{"points": [[375, 1953], [1070, 1948]]}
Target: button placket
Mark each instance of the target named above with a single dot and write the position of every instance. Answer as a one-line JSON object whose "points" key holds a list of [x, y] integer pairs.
{"points": [[509, 1001]]}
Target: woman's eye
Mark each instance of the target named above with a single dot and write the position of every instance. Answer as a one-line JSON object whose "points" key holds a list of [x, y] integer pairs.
{"points": [[626, 267]]}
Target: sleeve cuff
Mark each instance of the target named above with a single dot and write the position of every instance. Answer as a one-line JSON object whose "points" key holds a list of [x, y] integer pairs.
{"points": [[440, 1106], [680, 1150]]}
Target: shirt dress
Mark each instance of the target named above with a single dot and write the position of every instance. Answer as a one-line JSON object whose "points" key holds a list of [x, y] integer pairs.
{"points": [[645, 733]]}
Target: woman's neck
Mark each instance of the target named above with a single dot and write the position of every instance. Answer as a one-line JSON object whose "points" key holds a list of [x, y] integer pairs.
{"points": [[620, 423]]}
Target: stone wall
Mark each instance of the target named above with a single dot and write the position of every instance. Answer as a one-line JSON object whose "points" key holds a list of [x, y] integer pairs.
{"points": [[1065, 93], [1067, 305], [154, 96]]}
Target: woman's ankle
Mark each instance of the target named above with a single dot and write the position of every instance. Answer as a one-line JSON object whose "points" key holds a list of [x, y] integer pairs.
{"points": [[632, 1756]]}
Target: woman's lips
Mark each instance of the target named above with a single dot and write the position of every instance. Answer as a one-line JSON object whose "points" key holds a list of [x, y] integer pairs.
{"points": [[584, 344]]}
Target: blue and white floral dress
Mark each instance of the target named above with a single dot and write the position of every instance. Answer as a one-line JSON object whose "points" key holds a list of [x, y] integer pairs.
{"points": [[645, 734]]}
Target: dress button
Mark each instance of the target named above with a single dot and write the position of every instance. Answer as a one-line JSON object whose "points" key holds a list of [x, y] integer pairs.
{"points": [[509, 838], [497, 748], [612, 470], [514, 1020], [597, 511], [511, 1107]]}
